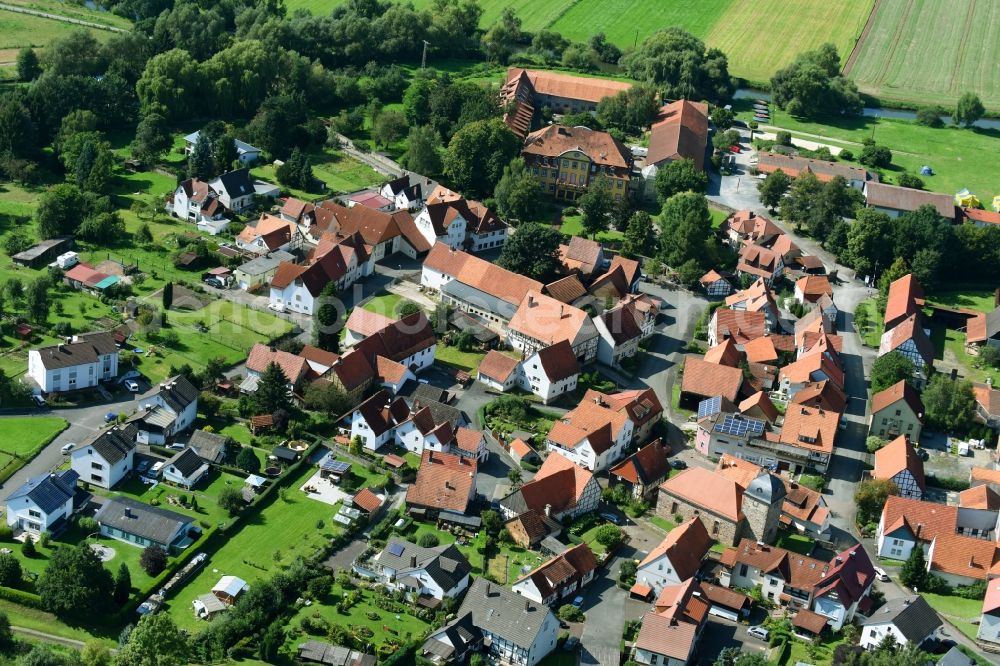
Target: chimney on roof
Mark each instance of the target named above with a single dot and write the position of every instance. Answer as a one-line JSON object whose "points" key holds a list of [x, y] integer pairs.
{"points": [[527, 605], [413, 560], [487, 589], [972, 561], [531, 301], [128, 512], [548, 510]]}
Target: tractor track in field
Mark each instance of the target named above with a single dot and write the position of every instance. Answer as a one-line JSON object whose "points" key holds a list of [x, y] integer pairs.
{"points": [[887, 58], [963, 47], [856, 51]]}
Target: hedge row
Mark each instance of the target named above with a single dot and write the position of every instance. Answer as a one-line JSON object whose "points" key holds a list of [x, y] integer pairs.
{"points": [[21, 597]]}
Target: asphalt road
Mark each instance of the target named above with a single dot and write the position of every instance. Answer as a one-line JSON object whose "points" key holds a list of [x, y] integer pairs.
{"points": [[84, 421]]}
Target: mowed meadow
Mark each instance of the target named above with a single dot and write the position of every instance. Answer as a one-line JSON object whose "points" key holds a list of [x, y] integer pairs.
{"points": [[931, 51], [759, 36]]}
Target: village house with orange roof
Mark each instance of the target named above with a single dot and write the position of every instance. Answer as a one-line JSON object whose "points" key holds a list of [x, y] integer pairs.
{"points": [[541, 321], [592, 435], [548, 373], [676, 559], [898, 462], [905, 522], [563, 575], [715, 284], [560, 490], [643, 471]]}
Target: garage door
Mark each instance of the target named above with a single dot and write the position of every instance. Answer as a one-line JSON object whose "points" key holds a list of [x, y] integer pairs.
{"points": [[722, 611]]}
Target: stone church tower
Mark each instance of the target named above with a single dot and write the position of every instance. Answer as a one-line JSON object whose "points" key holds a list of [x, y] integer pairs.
{"points": [[762, 502]]}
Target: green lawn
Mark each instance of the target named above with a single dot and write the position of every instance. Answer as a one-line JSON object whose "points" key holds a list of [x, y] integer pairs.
{"points": [[341, 174], [971, 297], [468, 361], [232, 330], [957, 610], [24, 436], [38, 620], [871, 335], [662, 523], [572, 225], [282, 531], [718, 217], [960, 157], [796, 543], [384, 304], [20, 30], [75, 11], [403, 625], [931, 51]]}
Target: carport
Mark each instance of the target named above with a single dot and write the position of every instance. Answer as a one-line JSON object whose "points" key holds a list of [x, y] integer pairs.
{"points": [[726, 603]]}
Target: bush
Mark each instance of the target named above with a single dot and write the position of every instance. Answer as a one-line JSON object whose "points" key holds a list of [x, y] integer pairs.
{"points": [[846, 154], [570, 613], [783, 138], [975, 591], [812, 481], [946, 483], [874, 443], [428, 540]]}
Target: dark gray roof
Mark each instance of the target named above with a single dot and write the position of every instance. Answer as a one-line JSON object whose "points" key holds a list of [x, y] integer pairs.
{"points": [[48, 491], [86, 349], [515, 502], [766, 488], [208, 445], [468, 323], [501, 612], [285, 453], [461, 634], [334, 655], [441, 412], [134, 517], [955, 657], [177, 393], [992, 322], [187, 462], [912, 615], [445, 564], [114, 443], [427, 393], [235, 183]]}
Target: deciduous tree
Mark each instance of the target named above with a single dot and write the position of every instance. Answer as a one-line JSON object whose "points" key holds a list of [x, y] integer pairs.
{"points": [[517, 194], [327, 315], [477, 155], [949, 404], [773, 188], [685, 228], [28, 67], [153, 560], [870, 496], [640, 236], [532, 250], [75, 584], [679, 176], [423, 154], [890, 369], [969, 109], [679, 63], [155, 641], [595, 205]]}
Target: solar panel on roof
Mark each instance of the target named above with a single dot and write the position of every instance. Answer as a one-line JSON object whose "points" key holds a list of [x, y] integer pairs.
{"points": [[709, 406], [396, 549], [740, 426], [336, 466]]}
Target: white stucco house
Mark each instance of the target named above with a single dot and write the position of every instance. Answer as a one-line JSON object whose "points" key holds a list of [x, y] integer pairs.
{"points": [[908, 619], [677, 558], [77, 363], [42, 502], [440, 572], [107, 457], [165, 410], [185, 469], [989, 622], [245, 153]]}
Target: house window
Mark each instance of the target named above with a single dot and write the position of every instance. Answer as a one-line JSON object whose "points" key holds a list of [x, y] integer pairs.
{"points": [[96, 465], [673, 508], [743, 570], [34, 514], [715, 528], [97, 478]]}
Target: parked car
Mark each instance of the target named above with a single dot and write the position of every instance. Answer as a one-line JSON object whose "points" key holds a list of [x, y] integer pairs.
{"points": [[678, 464], [132, 385], [758, 631], [277, 307], [611, 518], [881, 574], [577, 602], [143, 466], [214, 282], [110, 417], [66, 448], [38, 400]]}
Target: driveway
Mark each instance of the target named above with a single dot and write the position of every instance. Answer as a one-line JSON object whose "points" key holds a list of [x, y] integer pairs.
{"points": [[604, 606]]}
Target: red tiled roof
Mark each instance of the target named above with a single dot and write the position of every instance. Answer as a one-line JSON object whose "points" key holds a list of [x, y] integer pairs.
{"points": [[567, 289], [925, 520], [709, 490], [908, 329], [760, 350], [647, 466], [825, 395], [319, 356], [365, 323], [685, 546], [600, 147], [814, 286], [901, 301], [963, 556], [724, 353], [984, 475], [810, 428], [559, 483], [520, 447], [666, 636], [760, 402], [480, 274], [980, 215], [468, 439], [980, 497], [367, 501], [824, 170], [740, 325], [262, 356], [680, 130], [390, 371], [897, 456], [568, 86], [558, 361], [444, 482], [814, 623], [708, 380], [497, 365]]}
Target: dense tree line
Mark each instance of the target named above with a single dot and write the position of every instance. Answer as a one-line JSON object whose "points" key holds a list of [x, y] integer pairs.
{"points": [[813, 85], [681, 66]]}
